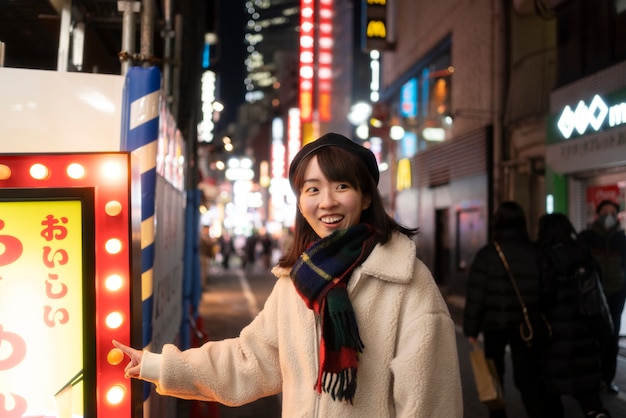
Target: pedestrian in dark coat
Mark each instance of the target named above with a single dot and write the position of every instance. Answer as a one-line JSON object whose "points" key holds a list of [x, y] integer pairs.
{"points": [[493, 309], [607, 241], [571, 361], [249, 257]]}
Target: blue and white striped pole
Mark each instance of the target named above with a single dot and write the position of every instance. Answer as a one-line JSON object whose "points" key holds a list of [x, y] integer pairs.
{"points": [[140, 134]]}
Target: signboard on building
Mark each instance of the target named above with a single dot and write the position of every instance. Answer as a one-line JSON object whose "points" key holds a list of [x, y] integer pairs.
{"points": [[375, 33], [589, 134]]}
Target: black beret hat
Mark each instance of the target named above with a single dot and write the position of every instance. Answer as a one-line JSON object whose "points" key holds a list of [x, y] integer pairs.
{"points": [[340, 141]]}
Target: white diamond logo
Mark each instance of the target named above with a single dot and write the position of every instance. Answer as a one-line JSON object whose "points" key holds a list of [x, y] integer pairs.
{"points": [[582, 117], [581, 120], [597, 112], [566, 122]]}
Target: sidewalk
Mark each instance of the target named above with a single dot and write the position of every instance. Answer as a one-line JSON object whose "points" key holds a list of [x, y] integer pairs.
{"points": [[224, 294]]}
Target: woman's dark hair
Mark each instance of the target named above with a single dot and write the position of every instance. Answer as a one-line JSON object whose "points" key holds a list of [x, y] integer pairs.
{"points": [[555, 228], [509, 220], [340, 165]]}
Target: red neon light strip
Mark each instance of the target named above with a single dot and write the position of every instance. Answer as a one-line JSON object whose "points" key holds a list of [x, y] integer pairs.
{"points": [[307, 59], [325, 60]]}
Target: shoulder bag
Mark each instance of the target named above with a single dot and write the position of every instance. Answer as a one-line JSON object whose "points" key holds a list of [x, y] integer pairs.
{"points": [[592, 302], [535, 329]]}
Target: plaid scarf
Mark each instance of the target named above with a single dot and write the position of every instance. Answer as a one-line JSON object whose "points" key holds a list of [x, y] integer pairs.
{"points": [[321, 276]]}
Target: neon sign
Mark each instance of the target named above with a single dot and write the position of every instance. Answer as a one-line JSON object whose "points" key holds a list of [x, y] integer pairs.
{"points": [[66, 284], [325, 60], [374, 33], [594, 116], [307, 55]]}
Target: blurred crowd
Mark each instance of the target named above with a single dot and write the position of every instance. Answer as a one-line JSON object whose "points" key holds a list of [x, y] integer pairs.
{"points": [[259, 249]]}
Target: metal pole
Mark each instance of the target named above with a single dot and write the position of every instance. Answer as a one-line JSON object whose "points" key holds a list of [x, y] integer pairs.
{"points": [[393, 164], [178, 53], [147, 28], [2, 50], [167, 62], [129, 8], [64, 36]]}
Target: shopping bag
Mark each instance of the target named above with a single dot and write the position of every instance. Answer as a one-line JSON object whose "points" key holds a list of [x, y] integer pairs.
{"points": [[487, 382]]}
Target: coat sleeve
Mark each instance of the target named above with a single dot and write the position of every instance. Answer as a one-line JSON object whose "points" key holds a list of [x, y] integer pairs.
{"points": [[233, 371], [475, 295], [427, 380]]}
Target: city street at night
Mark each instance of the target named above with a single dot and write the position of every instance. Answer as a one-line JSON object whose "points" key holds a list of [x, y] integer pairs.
{"points": [[232, 297]]}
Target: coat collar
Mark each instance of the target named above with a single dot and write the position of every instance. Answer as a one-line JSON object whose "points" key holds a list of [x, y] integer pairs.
{"points": [[393, 262]]}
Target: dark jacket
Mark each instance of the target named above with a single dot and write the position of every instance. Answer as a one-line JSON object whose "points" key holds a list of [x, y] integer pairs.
{"points": [[571, 361], [609, 250], [491, 302]]}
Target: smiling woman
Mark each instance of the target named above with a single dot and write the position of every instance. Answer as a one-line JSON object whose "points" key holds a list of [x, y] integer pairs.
{"points": [[351, 287]]}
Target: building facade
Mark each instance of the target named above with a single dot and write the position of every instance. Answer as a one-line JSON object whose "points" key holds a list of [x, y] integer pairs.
{"points": [[443, 81], [499, 100]]}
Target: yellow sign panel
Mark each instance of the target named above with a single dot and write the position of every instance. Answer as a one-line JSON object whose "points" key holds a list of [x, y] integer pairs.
{"points": [[403, 179], [376, 29], [41, 308], [306, 106]]}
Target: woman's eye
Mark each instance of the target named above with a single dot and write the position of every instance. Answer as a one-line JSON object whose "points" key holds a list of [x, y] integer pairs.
{"points": [[343, 186]]}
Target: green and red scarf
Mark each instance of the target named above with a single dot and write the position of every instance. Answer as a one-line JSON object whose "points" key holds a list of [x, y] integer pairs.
{"points": [[321, 276]]}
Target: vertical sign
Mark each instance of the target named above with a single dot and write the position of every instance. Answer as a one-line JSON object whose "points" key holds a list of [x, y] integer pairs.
{"points": [[375, 27], [325, 60], [306, 62]]}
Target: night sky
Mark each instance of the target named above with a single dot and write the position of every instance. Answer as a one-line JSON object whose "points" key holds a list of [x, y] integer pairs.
{"points": [[230, 24]]}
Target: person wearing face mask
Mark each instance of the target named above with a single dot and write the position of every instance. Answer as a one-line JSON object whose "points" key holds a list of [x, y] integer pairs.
{"points": [[351, 296], [607, 241]]}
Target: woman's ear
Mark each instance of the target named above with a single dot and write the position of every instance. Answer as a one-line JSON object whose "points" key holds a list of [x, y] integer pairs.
{"points": [[367, 201]]}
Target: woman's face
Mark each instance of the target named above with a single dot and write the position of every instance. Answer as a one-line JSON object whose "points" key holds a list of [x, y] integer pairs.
{"points": [[328, 205]]}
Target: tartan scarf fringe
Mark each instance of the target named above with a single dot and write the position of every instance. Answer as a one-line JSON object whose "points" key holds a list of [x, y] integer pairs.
{"points": [[341, 386]]}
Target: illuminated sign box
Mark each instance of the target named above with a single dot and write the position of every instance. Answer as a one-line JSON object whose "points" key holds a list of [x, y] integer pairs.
{"points": [[585, 117], [66, 287], [375, 26], [46, 269]]}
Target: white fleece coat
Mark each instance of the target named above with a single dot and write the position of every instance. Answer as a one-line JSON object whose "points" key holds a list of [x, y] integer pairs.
{"points": [[409, 367]]}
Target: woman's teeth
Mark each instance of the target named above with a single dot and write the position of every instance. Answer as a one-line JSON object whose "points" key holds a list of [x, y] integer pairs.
{"points": [[331, 219]]}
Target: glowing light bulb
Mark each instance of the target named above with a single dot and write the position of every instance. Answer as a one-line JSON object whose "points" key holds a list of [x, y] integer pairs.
{"points": [[113, 246], [39, 171], [114, 320], [115, 356], [112, 170], [116, 394], [113, 208], [76, 171], [114, 282], [5, 172]]}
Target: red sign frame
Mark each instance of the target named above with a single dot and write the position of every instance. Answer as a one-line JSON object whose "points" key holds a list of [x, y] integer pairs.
{"points": [[116, 268]]}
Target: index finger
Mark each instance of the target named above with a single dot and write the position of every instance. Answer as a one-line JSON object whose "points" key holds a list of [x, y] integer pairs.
{"points": [[125, 349]]}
